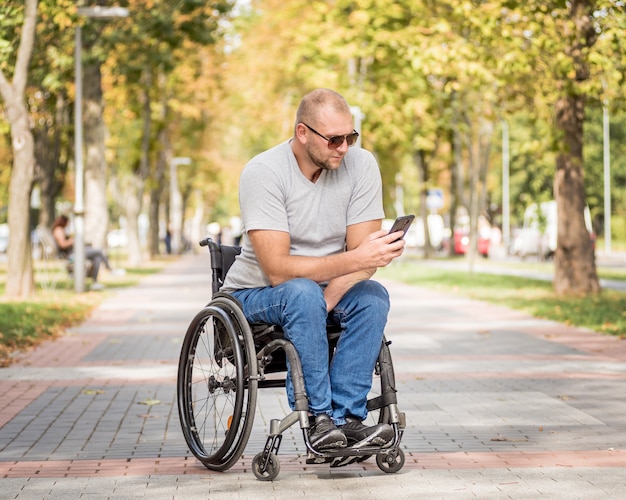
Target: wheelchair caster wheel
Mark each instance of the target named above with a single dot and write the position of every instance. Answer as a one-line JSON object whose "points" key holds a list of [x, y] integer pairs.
{"points": [[390, 462], [265, 474]]}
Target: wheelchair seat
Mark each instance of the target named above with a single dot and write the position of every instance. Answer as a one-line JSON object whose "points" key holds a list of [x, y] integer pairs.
{"points": [[225, 359]]}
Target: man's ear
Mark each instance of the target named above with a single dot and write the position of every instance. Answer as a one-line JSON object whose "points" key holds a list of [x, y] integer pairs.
{"points": [[301, 130]]}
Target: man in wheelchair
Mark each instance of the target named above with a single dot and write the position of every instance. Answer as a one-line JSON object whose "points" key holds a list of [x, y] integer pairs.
{"points": [[312, 211]]}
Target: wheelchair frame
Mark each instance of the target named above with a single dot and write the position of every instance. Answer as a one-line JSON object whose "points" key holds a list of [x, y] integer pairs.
{"points": [[224, 360]]}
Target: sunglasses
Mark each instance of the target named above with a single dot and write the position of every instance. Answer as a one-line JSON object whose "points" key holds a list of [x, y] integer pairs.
{"points": [[337, 140]]}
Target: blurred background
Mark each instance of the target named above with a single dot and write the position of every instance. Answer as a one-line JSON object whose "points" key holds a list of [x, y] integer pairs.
{"points": [[468, 106]]}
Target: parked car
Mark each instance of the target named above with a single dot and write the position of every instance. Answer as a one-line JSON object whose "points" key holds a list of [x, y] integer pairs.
{"points": [[461, 236]]}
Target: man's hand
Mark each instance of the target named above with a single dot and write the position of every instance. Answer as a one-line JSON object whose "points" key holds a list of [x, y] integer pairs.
{"points": [[337, 287], [379, 249]]}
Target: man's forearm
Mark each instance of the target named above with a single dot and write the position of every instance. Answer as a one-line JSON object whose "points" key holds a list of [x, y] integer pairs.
{"points": [[338, 287]]}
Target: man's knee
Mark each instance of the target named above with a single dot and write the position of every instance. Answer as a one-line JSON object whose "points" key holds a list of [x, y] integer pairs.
{"points": [[303, 291], [373, 294]]}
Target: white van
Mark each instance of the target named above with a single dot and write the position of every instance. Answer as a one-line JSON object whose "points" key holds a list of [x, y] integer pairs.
{"points": [[538, 235]]}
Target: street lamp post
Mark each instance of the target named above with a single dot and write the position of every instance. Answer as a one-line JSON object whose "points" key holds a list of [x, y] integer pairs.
{"points": [[79, 203]]}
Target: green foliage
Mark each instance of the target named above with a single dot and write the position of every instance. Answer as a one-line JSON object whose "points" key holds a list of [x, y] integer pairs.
{"points": [[618, 227], [11, 19], [159, 52]]}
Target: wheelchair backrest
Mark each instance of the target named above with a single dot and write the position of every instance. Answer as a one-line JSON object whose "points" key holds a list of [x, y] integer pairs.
{"points": [[222, 257]]}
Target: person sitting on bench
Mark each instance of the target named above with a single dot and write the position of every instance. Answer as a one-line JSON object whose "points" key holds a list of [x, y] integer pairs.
{"points": [[65, 245]]}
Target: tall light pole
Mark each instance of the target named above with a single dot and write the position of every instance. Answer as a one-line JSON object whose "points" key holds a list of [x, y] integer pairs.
{"points": [[79, 194]]}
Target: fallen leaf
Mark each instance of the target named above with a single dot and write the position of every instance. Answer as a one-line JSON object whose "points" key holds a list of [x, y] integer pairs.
{"points": [[150, 402]]}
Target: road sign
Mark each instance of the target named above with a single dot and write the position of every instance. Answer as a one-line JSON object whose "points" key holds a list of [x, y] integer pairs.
{"points": [[434, 199]]}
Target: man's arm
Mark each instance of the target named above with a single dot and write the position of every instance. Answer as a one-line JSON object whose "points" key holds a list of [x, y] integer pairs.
{"points": [[337, 287], [366, 251]]}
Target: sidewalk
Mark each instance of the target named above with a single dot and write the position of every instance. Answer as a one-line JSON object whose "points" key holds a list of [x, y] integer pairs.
{"points": [[498, 405]]}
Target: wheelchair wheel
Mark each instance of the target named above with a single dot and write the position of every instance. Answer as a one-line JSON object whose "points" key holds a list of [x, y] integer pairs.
{"points": [[391, 462], [217, 384], [268, 473]]}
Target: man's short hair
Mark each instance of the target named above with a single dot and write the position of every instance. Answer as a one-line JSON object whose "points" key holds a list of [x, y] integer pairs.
{"points": [[315, 100]]}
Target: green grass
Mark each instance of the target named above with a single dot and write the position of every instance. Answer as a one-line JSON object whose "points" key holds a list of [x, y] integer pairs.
{"points": [[26, 323], [605, 312]]}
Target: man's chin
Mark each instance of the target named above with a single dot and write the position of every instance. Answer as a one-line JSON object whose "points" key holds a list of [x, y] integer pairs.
{"points": [[334, 163]]}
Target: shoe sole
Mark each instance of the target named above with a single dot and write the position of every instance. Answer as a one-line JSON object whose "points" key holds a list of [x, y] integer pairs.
{"points": [[331, 439], [375, 439], [340, 443]]}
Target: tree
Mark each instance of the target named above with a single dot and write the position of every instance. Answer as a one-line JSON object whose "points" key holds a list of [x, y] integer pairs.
{"points": [[158, 42], [565, 50], [574, 269], [20, 281]]}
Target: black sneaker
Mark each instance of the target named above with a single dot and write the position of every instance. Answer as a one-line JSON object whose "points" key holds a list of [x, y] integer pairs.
{"points": [[359, 435], [324, 434]]}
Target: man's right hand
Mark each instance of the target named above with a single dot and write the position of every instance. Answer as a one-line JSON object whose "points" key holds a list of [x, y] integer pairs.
{"points": [[380, 248]]}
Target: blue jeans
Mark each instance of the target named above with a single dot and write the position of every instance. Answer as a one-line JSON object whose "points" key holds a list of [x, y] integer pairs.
{"points": [[338, 388]]}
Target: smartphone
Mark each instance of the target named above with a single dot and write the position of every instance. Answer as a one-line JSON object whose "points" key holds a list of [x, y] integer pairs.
{"points": [[402, 224]]}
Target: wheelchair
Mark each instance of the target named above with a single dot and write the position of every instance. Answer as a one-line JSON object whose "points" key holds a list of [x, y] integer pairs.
{"points": [[224, 360]]}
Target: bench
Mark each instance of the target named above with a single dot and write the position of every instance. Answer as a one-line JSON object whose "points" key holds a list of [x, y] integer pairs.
{"points": [[53, 258]]}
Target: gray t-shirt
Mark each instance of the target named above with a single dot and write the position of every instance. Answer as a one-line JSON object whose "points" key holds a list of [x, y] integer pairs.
{"points": [[275, 195]]}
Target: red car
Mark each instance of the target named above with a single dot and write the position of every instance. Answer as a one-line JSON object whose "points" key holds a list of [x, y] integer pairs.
{"points": [[460, 238]]}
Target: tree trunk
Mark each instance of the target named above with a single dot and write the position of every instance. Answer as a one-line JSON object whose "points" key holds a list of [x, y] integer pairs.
{"points": [[50, 169], [474, 187], [455, 168], [20, 279], [96, 209], [156, 193], [422, 179], [134, 198], [574, 261], [132, 204]]}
